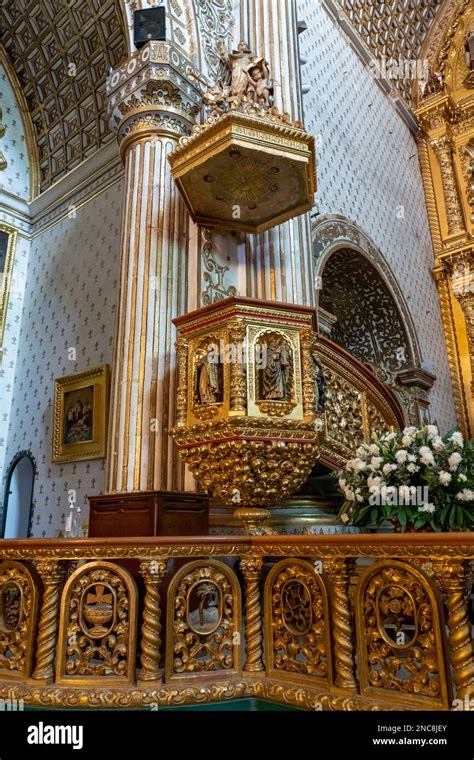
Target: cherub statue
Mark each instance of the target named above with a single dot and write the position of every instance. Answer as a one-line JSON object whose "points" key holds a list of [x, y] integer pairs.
{"points": [[260, 87], [431, 83], [243, 78]]}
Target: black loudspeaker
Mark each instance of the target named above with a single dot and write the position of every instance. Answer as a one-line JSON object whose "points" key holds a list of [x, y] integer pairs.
{"points": [[149, 24]]}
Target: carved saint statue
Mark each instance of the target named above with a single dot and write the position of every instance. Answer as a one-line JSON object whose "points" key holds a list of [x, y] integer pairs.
{"points": [[276, 374], [207, 385], [243, 79], [469, 48], [320, 381]]}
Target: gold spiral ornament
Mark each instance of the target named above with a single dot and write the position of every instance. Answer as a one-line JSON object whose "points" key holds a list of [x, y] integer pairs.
{"points": [[452, 577], [51, 576], [153, 573], [251, 568], [338, 571]]}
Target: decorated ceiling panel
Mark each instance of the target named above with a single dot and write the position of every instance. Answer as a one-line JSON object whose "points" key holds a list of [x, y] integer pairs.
{"points": [[393, 30], [61, 51]]}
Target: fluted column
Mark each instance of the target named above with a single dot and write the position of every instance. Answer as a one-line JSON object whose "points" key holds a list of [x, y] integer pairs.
{"points": [[151, 105], [279, 262]]}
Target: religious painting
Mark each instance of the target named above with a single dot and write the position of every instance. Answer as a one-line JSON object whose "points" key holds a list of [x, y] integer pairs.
{"points": [[7, 250], [80, 415]]}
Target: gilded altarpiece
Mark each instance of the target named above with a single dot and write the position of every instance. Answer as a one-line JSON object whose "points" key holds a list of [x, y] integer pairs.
{"points": [[444, 106]]}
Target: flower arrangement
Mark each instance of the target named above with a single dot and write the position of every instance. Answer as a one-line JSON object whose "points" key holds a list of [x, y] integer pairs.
{"points": [[415, 478]]}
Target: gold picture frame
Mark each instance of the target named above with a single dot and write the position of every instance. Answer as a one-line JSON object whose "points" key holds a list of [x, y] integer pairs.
{"points": [[7, 255], [80, 415]]}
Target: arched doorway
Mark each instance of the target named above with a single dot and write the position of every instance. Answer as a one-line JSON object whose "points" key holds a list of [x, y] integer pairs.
{"points": [[18, 501]]}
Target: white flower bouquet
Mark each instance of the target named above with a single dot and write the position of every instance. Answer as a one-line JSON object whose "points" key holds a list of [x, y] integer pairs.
{"points": [[414, 478]]}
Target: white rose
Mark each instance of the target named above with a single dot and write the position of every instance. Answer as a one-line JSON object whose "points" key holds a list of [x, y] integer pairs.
{"points": [[387, 468], [373, 482], [401, 456], [375, 462], [412, 468], [465, 495], [409, 431], [457, 439], [411, 458], [432, 431], [389, 437], [407, 440], [427, 508], [438, 444], [454, 461], [445, 478], [462, 477], [349, 494], [342, 483], [374, 449]]}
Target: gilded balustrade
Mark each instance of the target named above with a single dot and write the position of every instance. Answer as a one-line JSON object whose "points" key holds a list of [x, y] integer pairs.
{"points": [[359, 622]]}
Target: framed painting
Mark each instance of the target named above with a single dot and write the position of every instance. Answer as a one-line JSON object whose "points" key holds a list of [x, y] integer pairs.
{"points": [[80, 415], [7, 252]]}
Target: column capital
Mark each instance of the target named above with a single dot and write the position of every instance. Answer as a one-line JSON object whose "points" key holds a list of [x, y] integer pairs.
{"points": [[152, 92]]}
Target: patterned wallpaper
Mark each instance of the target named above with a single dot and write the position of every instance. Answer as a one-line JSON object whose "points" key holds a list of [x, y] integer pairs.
{"points": [[368, 171], [15, 178], [69, 303]]}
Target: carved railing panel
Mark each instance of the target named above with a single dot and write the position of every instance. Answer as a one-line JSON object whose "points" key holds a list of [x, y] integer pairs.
{"points": [[18, 619], [329, 622], [297, 622], [98, 624], [204, 621], [400, 639]]}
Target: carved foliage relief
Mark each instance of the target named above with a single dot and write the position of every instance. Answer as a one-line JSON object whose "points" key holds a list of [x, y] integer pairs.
{"points": [[399, 632], [18, 611], [204, 612], [296, 605]]}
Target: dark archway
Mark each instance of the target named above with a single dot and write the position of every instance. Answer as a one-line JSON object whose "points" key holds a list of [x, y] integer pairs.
{"points": [[18, 498], [368, 322]]}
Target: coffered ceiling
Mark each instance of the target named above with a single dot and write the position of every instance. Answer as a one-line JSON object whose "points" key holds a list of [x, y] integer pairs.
{"points": [[393, 29], [60, 51]]}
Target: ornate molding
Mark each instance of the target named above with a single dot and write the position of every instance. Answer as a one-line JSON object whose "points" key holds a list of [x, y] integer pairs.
{"points": [[152, 93]]}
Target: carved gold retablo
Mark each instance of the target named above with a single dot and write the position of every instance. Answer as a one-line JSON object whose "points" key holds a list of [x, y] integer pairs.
{"points": [[247, 401], [248, 167]]}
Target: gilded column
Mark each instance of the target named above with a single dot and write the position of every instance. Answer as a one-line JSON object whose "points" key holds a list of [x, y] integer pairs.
{"points": [[151, 104], [238, 378], [462, 283], [279, 262], [182, 389], [51, 575], [451, 577], [442, 281], [153, 572], [444, 151], [338, 571], [252, 569], [467, 305]]}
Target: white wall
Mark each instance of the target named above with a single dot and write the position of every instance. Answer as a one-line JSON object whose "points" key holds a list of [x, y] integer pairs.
{"points": [[368, 171], [70, 301]]}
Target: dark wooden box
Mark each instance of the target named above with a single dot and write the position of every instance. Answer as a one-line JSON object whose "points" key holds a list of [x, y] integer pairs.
{"points": [[150, 513]]}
